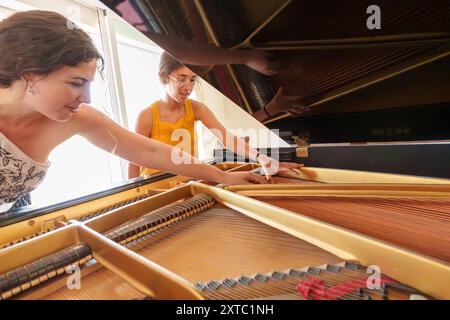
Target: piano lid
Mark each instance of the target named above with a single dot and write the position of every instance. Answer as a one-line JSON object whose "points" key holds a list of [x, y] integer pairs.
{"points": [[361, 84]]}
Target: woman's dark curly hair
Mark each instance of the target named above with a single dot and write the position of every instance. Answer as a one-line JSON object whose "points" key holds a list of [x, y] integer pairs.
{"points": [[41, 42]]}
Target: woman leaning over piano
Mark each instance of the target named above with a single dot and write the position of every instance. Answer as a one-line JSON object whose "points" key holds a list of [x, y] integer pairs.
{"points": [[46, 68]]}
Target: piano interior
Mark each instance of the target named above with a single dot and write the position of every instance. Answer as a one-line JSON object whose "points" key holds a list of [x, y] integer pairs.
{"points": [[320, 232], [198, 241]]}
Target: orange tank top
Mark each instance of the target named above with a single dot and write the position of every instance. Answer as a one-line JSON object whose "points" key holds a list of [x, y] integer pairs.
{"points": [[180, 134]]}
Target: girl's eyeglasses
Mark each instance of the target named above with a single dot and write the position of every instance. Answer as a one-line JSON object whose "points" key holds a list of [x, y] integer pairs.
{"points": [[183, 82]]}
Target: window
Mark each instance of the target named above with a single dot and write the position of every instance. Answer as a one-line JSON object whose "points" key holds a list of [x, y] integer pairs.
{"points": [[139, 60]]}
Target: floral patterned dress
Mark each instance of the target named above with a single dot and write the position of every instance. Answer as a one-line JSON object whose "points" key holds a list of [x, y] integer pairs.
{"points": [[19, 174]]}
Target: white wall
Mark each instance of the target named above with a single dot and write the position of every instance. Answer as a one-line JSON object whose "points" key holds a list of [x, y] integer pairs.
{"points": [[234, 119]]}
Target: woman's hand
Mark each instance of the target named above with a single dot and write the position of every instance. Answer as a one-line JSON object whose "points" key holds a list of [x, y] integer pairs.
{"points": [[243, 178], [282, 103], [271, 166], [260, 61]]}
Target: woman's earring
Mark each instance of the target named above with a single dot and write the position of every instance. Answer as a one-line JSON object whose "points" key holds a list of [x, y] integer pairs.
{"points": [[32, 91]]}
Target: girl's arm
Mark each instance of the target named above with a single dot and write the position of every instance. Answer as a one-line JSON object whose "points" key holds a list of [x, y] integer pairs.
{"points": [[107, 135], [281, 103], [236, 144]]}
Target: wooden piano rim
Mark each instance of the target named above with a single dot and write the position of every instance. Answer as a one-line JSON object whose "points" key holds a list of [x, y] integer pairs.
{"points": [[345, 178], [398, 263], [344, 190]]}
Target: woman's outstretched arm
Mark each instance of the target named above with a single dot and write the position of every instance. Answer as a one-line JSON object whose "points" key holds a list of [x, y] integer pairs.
{"points": [[200, 53], [101, 131]]}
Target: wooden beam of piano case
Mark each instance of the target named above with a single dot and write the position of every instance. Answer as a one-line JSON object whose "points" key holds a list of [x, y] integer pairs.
{"points": [[338, 176], [344, 190]]}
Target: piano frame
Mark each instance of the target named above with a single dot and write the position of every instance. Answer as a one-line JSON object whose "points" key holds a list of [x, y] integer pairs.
{"points": [[157, 282]]}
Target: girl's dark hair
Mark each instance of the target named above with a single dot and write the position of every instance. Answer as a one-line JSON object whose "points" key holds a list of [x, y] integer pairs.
{"points": [[167, 65], [40, 42]]}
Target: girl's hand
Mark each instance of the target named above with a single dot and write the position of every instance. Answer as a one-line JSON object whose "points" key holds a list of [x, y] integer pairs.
{"points": [[271, 166], [282, 103], [261, 61], [243, 178]]}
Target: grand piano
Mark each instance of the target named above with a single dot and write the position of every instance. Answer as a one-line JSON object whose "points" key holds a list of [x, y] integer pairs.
{"points": [[368, 217]]}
